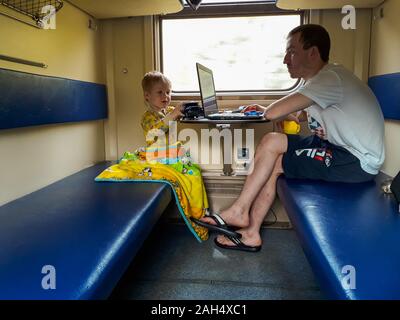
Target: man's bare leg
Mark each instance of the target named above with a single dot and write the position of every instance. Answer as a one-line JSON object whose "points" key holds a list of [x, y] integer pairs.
{"points": [[251, 234], [271, 147]]}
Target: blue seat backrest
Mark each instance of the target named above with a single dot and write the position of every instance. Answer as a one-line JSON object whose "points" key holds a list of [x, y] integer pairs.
{"points": [[30, 100], [387, 89]]}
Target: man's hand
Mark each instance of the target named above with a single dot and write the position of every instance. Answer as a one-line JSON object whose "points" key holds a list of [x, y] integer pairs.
{"points": [[319, 132], [254, 107], [289, 117]]}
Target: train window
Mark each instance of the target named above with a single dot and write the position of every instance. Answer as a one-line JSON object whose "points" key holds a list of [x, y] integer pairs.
{"points": [[244, 50]]}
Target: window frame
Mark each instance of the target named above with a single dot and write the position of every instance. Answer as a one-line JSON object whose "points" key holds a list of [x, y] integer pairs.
{"points": [[215, 10]]}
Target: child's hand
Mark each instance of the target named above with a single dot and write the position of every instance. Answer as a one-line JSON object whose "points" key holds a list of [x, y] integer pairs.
{"points": [[177, 113]]}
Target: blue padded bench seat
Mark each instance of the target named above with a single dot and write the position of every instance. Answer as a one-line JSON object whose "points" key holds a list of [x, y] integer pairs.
{"points": [[342, 225], [88, 231]]}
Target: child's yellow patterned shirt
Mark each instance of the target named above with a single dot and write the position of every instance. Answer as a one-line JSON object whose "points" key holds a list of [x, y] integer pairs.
{"points": [[155, 120]]}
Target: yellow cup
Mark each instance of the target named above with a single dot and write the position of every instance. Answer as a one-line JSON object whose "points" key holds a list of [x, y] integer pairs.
{"points": [[291, 127]]}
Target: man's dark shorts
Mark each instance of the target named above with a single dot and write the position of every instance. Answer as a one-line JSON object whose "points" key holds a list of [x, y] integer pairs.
{"points": [[313, 158]]}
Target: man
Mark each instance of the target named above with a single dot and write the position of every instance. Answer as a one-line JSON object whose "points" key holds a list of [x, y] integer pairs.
{"points": [[347, 144]]}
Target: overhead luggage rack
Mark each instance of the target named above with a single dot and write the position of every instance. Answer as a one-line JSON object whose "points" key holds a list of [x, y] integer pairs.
{"points": [[33, 8]]}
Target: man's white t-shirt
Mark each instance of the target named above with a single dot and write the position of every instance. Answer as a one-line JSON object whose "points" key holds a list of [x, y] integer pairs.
{"points": [[349, 113]]}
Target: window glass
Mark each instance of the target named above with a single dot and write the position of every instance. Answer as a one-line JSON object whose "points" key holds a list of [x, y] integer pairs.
{"points": [[245, 53]]}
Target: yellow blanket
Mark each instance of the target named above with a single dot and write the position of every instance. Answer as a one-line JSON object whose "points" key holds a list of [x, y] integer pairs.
{"points": [[173, 166]]}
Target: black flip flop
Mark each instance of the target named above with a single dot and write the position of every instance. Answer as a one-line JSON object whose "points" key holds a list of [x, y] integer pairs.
{"points": [[238, 245], [220, 227]]}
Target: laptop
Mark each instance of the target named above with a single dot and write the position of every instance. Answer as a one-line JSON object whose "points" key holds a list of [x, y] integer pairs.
{"points": [[209, 99]]}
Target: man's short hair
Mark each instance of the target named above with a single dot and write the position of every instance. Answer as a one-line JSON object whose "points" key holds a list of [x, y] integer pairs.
{"points": [[314, 35], [153, 77]]}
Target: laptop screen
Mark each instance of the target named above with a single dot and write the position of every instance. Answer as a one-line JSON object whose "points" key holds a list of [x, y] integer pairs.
{"points": [[207, 90]]}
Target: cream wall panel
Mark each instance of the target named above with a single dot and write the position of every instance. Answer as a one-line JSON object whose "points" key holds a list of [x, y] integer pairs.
{"points": [[70, 51], [385, 52], [392, 141], [342, 40], [110, 125], [128, 46], [31, 158], [128, 50], [349, 47], [385, 49], [362, 44]]}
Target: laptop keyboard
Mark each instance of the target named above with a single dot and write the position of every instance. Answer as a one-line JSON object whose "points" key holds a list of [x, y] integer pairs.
{"points": [[230, 115]]}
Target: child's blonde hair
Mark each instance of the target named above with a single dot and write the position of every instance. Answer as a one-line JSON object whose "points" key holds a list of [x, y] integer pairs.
{"points": [[153, 77]]}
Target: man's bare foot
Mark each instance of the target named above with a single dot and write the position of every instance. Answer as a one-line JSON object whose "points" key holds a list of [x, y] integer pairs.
{"points": [[248, 238], [233, 217]]}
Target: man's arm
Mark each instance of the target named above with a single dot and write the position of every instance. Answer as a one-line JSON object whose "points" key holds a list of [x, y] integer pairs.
{"points": [[289, 104]]}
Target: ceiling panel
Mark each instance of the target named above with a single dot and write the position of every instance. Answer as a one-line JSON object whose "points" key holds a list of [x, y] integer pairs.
{"points": [[326, 4], [104, 9]]}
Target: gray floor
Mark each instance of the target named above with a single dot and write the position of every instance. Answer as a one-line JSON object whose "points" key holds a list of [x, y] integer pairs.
{"points": [[173, 266]]}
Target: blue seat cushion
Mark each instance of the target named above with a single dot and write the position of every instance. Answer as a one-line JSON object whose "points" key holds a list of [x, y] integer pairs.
{"points": [[343, 225], [88, 231]]}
